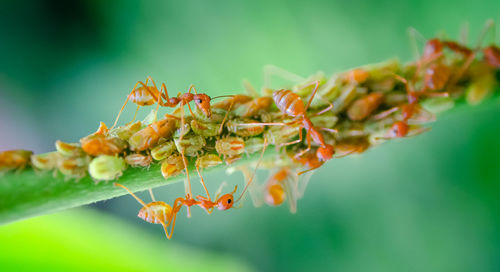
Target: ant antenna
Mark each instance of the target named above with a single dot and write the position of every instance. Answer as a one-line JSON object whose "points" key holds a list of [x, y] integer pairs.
{"points": [[222, 96], [255, 171]]}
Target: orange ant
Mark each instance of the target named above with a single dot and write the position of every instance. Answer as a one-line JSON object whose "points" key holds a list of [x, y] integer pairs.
{"points": [[492, 56], [159, 212], [290, 104]]}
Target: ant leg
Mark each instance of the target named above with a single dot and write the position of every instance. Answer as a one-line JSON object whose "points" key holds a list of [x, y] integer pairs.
{"points": [[271, 70], [203, 182], [464, 33], [331, 130], [254, 172], [192, 87], [295, 141], [413, 36], [187, 184], [135, 114], [124, 104], [250, 90], [316, 86], [385, 113], [152, 195], [225, 116], [308, 139]]}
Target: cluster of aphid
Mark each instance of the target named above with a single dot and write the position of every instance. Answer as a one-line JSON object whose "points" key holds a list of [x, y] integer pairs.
{"points": [[344, 114]]}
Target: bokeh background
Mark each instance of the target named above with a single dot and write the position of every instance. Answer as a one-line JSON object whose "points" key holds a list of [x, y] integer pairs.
{"points": [[429, 203]]}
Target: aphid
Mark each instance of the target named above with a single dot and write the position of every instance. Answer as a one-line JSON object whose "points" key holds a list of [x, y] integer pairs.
{"points": [[69, 149], [364, 106], [351, 145], [172, 166], [45, 162], [232, 101], [254, 107], [163, 150], [205, 129], [480, 88], [208, 160], [356, 75], [492, 56], [125, 132], [253, 144], [138, 160], [14, 159], [279, 135], [230, 146], [190, 145], [101, 143], [149, 136], [244, 131], [73, 167], [105, 167]]}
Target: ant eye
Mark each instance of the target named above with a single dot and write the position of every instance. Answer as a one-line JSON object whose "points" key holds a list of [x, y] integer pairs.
{"points": [[229, 201], [198, 101]]}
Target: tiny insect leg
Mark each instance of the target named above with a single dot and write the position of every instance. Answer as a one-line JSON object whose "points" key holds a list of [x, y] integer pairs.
{"points": [[250, 90], [464, 33], [203, 182], [187, 183], [415, 35], [308, 140], [254, 172], [271, 70], [225, 116], [316, 86]]}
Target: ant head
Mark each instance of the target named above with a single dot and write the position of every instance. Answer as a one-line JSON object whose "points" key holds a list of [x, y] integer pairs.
{"points": [[203, 103], [275, 195], [399, 129], [225, 202], [433, 47], [325, 153]]}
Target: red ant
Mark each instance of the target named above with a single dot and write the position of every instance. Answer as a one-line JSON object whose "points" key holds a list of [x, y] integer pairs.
{"points": [[290, 104], [159, 212]]}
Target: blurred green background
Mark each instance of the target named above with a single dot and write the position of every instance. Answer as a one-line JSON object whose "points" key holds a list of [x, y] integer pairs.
{"points": [[430, 203]]}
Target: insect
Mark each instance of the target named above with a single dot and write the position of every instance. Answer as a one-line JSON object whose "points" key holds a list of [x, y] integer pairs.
{"points": [[244, 131], [101, 143], [149, 136], [230, 147], [138, 160], [492, 56], [144, 95], [45, 162], [364, 106], [105, 167], [159, 212], [14, 159], [290, 104]]}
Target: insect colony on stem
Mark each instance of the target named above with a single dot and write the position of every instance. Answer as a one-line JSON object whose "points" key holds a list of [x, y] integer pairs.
{"points": [[341, 115]]}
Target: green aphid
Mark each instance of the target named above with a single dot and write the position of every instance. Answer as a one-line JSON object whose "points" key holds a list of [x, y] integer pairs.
{"points": [[277, 135], [216, 117], [125, 132], [208, 160], [190, 145], [163, 150], [480, 88], [233, 126], [183, 130], [205, 129], [106, 167], [69, 149], [47, 161], [253, 145], [73, 167]]}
